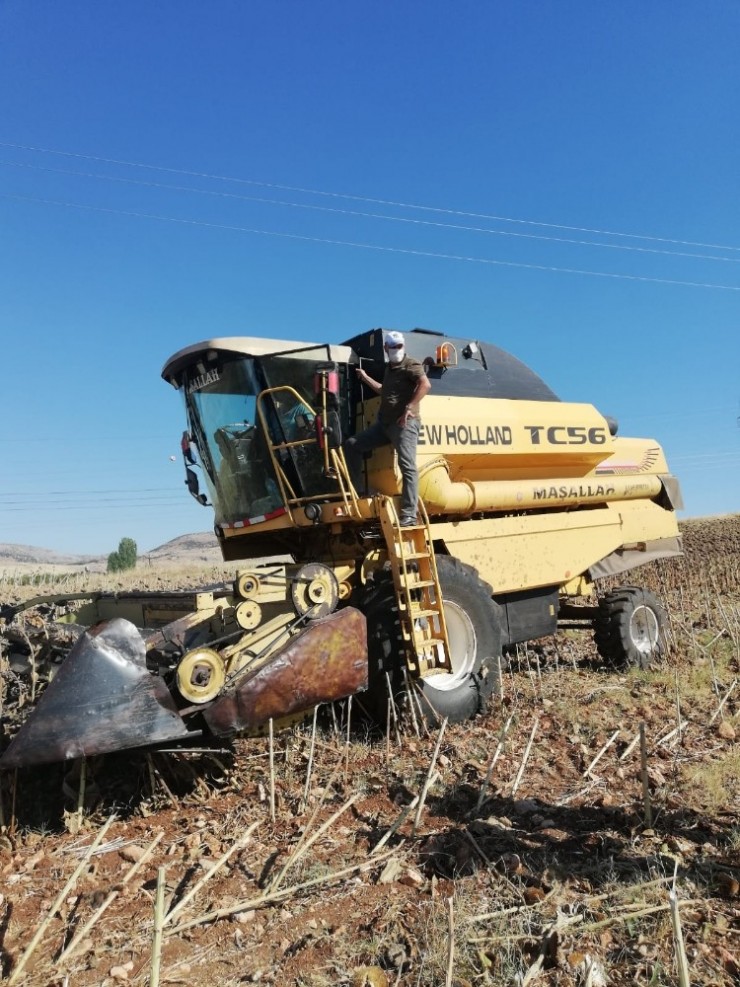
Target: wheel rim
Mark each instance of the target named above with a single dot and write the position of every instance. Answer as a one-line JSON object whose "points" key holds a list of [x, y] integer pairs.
{"points": [[463, 649], [644, 629]]}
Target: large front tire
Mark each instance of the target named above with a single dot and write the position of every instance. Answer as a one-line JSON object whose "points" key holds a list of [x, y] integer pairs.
{"points": [[629, 630], [474, 632]]}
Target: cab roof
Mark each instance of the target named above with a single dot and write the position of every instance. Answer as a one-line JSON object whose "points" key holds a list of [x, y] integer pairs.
{"points": [[249, 346]]}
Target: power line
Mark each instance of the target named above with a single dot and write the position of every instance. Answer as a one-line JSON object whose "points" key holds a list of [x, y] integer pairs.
{"points": [[700, 467], [87, 492], [357, 214], [718, 457], [90, 508], [91, 437], [364, 198], [371, 246], [101, 502], [641, 414], [109, 471]]}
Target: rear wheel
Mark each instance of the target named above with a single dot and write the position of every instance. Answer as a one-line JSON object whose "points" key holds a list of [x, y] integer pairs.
{"points": [[629, 629], [475, 644]]}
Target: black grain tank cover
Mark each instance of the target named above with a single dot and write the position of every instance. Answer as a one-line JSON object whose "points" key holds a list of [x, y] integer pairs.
{"points": [[482, 370]]}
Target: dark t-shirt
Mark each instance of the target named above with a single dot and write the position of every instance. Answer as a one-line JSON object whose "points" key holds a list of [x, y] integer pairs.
{"points": [[399, 384]]}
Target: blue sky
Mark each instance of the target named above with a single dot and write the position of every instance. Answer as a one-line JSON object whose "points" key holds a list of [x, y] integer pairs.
{"points": [[559, 178]]}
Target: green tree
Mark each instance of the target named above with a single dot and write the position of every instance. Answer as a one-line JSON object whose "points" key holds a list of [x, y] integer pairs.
{"points": [[127, 552], [125, 557]]}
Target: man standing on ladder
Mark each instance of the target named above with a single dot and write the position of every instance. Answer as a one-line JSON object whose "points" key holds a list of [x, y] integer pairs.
{"points": [[404, 385]]}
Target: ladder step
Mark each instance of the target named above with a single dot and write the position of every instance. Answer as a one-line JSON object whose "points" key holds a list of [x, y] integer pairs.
{"points": [[417, 589]]}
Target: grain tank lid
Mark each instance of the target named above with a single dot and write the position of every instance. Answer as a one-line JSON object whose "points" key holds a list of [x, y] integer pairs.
{"points": [[511, 378], [479, 369], [252, 346]]}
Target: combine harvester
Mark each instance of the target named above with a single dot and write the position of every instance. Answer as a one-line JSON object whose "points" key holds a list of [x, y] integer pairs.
{"points": [[524, 502]]}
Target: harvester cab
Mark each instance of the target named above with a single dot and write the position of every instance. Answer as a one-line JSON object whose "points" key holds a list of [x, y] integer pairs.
{"points": [[525, 503], [263, 419]]}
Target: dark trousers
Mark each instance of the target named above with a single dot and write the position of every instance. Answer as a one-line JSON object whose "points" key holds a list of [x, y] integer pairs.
{"points": [[404, 441]]}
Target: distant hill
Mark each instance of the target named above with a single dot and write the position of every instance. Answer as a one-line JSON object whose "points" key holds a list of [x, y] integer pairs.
{"points": [[200, 547], [193, 548], [32, 555]]}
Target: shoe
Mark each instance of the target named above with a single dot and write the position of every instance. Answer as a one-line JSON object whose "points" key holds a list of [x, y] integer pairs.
{"points": [[407, 522]]}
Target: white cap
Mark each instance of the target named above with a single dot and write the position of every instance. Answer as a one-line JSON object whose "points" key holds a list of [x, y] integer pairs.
{"points": [[393, 338]]}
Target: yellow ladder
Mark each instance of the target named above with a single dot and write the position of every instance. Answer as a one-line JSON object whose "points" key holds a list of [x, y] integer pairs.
{"points": [[420, 608]]}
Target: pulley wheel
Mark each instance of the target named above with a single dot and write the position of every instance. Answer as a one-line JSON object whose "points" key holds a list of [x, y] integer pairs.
{"points": [[315, 591], [248, 615], [200, 675], [247, 584]]}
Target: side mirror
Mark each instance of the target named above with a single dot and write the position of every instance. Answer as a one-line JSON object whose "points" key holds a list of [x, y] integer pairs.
{"points": [[191, 481], [187, 452]]}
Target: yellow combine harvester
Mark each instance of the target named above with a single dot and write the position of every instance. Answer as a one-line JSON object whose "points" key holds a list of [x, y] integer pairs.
{"points": [[524, 502]]}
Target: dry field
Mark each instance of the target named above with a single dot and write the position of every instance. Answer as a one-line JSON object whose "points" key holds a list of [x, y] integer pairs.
{"points": [[541, 844]]}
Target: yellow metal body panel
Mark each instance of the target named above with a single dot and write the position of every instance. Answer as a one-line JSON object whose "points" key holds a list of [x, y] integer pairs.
{"points": [[526, 551], [644, 520], [146, 609], [331, 512], [522, 552], [580, 586], [483, 438]]}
